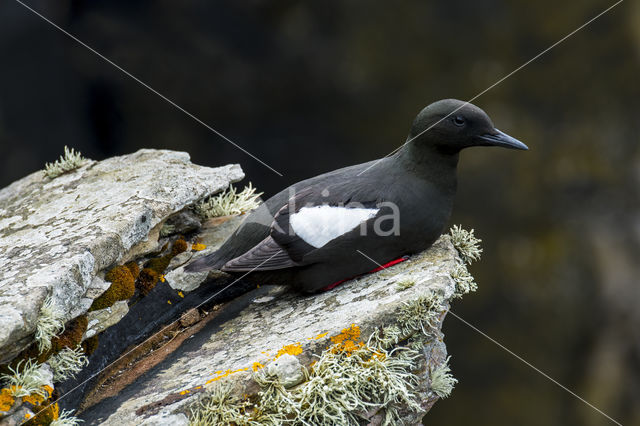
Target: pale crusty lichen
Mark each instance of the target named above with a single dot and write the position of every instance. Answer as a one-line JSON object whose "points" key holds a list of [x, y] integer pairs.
{"points": [[405, 284], [50, 323], [466, 243], [66, 418], [66, 363], [465, 282], [229, 202], [26, 380], [71, 160], [442, 381]]}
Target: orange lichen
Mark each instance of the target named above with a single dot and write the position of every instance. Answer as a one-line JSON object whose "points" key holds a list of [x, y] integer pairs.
{"points": [[198, 247], [257, 366], [221, 374], [347, 341], [35, 399], [318, 337], [6, 398], [72, 336], [169, 302], [181, 294], [161, 278], [122, 287], [293, 349]]}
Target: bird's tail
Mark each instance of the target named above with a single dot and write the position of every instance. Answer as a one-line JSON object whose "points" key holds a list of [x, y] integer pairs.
{"points": [[205, 263]]}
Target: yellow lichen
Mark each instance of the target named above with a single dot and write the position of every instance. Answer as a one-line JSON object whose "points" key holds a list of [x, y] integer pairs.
{"points": [[198, 247], [318, 337], [6, 398], [256, 366], [181, 294], [347, 341], [292, 349], [226, 373]]}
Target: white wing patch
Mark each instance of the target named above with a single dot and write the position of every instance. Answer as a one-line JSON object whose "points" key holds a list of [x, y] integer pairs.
{"points": [[320, 224]]}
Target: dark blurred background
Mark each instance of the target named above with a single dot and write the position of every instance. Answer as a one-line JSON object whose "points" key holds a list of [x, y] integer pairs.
{"points": [[312, 86]]}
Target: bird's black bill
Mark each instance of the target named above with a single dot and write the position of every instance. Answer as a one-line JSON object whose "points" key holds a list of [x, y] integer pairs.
{"points": [[502, 139]]}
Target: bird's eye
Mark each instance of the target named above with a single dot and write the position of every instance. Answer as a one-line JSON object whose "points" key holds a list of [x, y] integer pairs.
{"points": [[458, 121]]}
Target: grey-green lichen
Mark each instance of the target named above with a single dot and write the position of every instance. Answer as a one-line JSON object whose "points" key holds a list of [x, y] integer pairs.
{"points": [[66, 363], [230, 202], [71, 160], [50, 323], [26, 380], [421, 315], [220, 406], [442, 381], [66, 418], [465, 282], [466, 243], [345, 388]]}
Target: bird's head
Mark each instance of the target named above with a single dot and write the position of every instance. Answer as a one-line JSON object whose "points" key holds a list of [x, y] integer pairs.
{"points": [[450, 125]]}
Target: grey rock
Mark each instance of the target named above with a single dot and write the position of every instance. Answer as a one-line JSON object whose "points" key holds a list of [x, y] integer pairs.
{"points": [[102, 319], [181, 223], [287, 369], [57, 234], [248, 332]]}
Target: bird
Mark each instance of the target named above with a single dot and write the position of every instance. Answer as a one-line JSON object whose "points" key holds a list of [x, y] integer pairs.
{"points": [[332, 227]]}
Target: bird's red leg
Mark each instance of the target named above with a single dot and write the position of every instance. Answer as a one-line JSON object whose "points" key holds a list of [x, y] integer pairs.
{"points": [[379, 268]]}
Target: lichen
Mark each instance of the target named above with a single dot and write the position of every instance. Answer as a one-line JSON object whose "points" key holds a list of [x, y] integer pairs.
{"points": [[405, 284], [347, 341], [466, 243], [123, 287], [219, 407], [348, 384], [66, 363], [464, 281], [50, 322], [71, 160], [229, 202], [66, 418], [7, 399], [442, 381], [26, 379], [421, 315]]}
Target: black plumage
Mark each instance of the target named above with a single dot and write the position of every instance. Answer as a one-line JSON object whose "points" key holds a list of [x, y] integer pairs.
{"points": [[399, 204]]}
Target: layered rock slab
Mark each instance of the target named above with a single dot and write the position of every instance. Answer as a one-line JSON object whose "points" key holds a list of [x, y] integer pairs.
{"points": [[57, 234], [269, 325]]}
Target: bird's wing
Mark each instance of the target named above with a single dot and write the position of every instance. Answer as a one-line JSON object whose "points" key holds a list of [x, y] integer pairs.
{"points": [[302, 227]]}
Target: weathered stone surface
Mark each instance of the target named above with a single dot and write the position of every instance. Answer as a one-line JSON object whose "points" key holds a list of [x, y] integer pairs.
{"points": [[104, 318], [57, 234], [251, 330]]}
